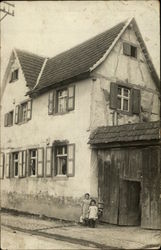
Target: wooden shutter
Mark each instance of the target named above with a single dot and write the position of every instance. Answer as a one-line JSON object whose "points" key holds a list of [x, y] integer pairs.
{"points": [[24, 163], [126, 49], [1, 165], [6, 120], [71, 97], [28, 168], [29, 109], [40, 162], [48, 168], [113, 95], [20, 165], [136, 99], [17, 113], [70, 160], [8, 165], [51, 102]]}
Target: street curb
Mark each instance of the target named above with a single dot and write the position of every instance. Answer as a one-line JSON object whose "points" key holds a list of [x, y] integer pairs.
{"points": [[82, 242]]}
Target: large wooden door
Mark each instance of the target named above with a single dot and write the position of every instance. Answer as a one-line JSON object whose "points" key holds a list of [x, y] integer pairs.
{"points": [[129, 203], [108, 173], [151, 205]]}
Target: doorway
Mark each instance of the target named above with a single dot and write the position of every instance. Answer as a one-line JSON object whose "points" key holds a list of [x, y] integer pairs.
{"points": [[129, 212]]}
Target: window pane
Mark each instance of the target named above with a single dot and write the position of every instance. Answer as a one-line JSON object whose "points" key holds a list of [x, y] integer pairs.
{"points": [[33, 166], [33, 153], [133, 51], [126, 92], [62, 101], [61, 165], [125, 104], [16, 168], [119, 90], [119, 103]]}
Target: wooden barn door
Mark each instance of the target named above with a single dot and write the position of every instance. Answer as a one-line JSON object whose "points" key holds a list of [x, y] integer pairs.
{"points": [[130, 188], [151, 208], [129, 205], [108, 182]]}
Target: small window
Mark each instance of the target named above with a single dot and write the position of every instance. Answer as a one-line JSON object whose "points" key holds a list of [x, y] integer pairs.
{"points": [[33, 162], [129, 50], [15, 164], [14, 75], [8, 119], [61, 160], [123, 98]]}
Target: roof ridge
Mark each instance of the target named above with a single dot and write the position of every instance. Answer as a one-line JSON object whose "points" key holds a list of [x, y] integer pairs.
{"points": [[91, 38]]}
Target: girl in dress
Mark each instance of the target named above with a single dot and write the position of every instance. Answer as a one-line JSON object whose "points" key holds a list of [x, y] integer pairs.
{"points": [[85, 208]]}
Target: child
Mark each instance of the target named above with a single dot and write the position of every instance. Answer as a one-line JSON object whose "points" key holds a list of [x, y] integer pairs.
{"points": [[85, 208], [93, 213]]}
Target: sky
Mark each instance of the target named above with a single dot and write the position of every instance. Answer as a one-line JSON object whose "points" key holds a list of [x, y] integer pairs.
{"points": [[51, 27]]}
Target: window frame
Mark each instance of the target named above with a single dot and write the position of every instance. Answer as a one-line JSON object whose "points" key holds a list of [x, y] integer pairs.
{"points": [[33, 158], [13, 163], [58, 98], [123, 97], [14, 78], [64, 155], [6, 116], [131, 45]]}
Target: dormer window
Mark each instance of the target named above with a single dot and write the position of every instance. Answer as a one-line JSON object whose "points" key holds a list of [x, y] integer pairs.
{"points": [[14, 75], [129, 50]]}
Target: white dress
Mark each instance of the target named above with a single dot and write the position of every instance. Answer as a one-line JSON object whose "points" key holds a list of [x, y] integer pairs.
{"points": [[93, 212]]}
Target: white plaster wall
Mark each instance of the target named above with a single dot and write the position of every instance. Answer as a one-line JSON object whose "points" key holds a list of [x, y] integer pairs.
{"points": [[72, 126], [117, 66]]}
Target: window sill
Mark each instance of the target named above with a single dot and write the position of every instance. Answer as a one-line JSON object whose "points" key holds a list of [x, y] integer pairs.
{"points": [[60, 177], [124, 112], [63, 113], [13, 80]]}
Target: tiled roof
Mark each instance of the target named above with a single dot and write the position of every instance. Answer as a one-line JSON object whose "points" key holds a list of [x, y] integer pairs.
{"points": [[125, 133], [31, 65], [79, 59]]}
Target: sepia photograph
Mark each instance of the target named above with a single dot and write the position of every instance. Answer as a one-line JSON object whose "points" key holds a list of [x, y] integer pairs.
{"points": [[80, 131]]}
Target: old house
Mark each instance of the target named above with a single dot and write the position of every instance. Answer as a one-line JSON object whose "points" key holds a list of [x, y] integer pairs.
{"points": [[86, 120]]}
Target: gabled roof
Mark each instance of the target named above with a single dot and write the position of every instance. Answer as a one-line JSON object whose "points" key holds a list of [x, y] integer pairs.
{"points": [[79, 59], [31, 65], [126, 133], [43, 73]]}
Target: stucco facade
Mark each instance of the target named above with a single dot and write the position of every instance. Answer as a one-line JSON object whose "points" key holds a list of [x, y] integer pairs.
{"points": [[61, 196]]}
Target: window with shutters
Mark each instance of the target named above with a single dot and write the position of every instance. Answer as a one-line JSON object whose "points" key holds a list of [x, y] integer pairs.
{"points": [[64, 160], [61, 100], [15, 163], [33, 162], [123, 98], [8, 119], [23, 112], [14, 76], [129, 50]]}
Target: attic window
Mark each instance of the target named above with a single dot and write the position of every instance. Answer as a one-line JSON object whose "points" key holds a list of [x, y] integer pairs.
{"points": [[14, 75], [129, 50]]}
